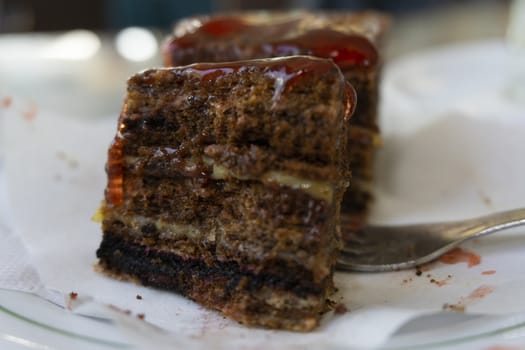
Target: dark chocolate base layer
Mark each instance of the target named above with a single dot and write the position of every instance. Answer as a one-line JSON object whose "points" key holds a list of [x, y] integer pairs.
{"points": [[278, 297]]}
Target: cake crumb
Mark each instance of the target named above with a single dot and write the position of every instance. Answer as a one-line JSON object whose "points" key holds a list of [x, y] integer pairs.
{"points": [[442, 282], [488, 272], [340, 309], [331, 303], [454, 307], [69, 302], [141, 316], [439, 283], [116, 308], [479, 293], [418, 272], [98, 215], [139, 297]]}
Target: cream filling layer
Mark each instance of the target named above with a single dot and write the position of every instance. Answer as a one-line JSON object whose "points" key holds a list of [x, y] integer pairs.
{"points": [[166, 230], [322, 190], [317, 189]]}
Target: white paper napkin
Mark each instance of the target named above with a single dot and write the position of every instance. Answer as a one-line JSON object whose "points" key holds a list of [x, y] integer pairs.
{"points": [[56, 179], [445, 162]]}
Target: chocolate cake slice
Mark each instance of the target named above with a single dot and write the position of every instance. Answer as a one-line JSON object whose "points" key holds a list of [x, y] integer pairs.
{"points": [[225, 182], [351, 40]]}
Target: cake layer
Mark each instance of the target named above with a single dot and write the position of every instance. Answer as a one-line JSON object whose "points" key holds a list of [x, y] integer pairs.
{"points": [[153, 196], [227, 161], [282, 296], [214, 217]]}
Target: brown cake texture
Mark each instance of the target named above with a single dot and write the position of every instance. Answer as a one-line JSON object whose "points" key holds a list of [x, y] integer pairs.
{"points": [[351, 40], [225, 182]]}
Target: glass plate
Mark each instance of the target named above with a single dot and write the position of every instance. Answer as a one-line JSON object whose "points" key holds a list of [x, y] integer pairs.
{"points": [[29, 322]]}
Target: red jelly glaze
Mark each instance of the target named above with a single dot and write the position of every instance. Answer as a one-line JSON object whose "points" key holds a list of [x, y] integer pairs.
{"points": [[224, 26], [289, 69], [345, 49], [211, 30], [115, 170]]}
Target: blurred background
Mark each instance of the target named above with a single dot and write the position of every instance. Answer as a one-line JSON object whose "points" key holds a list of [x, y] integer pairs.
{"points": [[51, 15], [62, 53]]}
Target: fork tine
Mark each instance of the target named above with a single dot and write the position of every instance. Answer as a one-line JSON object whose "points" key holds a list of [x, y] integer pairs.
{"points": [[351, 238], [350, 251], [345, 263]]}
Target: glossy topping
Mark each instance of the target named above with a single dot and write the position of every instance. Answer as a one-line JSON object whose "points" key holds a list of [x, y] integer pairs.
{"points": [[346, 50], [223, 26], [283, 72], [236, 35], [295, 66], [286, 73]]}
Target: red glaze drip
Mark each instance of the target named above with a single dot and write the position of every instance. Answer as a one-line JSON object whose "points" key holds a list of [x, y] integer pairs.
{"points": [[458, 255], [351, 101], [219, 27], [115, 171]]}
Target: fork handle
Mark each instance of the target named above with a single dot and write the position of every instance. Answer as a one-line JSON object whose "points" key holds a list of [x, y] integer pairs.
{"points": [[485, 225]]}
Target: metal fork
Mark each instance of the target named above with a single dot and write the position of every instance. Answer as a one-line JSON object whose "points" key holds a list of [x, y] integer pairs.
{"points": [[390, 248]]}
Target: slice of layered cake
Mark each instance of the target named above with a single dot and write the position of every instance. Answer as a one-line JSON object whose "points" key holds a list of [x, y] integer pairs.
{"points": [[225, 182], [349, 39]]}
